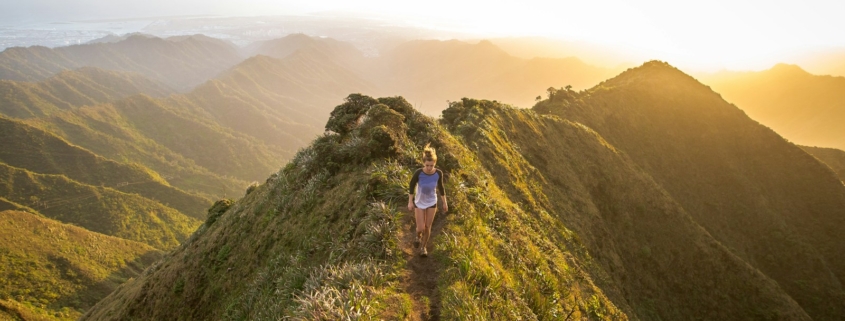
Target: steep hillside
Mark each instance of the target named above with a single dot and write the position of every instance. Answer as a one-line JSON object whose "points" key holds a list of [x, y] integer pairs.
{"points": [[803, 108], [179, 62], [834, 158], [72, 88], [283, 102], [428, 73], [7, 205], [235, 128], [765, 199], [52, 270], [543, 224], [40, 152], [206, 143], [32, 63], [655, 261], [99, 209]]}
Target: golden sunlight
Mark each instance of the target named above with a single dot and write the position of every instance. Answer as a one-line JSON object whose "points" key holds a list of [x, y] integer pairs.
{"points": [[697, 36]]}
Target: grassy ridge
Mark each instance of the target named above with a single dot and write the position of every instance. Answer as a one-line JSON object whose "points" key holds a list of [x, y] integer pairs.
{"points": [[179, 62], [41, 152], [641, 247], [282, 102], [834, 158], [32, 63], [52, 270], [321, 257], [100, 130], [321, 235], [768, 201], [99, 209], [212, 146], [72, 88]]}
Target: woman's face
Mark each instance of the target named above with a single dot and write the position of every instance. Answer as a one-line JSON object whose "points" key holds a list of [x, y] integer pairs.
{"points": [[429, 166]]}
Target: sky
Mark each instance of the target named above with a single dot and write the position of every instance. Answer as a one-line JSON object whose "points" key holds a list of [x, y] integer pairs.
{"points": [[700, 34]]}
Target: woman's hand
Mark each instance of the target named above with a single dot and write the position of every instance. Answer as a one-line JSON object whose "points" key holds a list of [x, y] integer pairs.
{"points": [[445, 207], [410, 206]]}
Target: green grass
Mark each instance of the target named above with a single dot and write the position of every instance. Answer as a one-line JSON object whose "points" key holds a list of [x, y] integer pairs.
{"points": [[99, 209], [57, 271], [41, 152]]}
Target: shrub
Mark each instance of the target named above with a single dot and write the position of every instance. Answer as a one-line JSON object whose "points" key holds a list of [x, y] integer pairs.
{"points": [[251, 188], [345, 116], [217, 210]]}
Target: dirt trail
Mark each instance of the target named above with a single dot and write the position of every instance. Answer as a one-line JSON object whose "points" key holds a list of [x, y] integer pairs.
{"points": [[421, 274]]}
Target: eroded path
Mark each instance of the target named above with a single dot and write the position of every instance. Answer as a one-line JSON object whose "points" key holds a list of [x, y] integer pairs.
{"points": [[421, 273]]}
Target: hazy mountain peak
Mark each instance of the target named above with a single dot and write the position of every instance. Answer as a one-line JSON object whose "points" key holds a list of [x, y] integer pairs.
{"points": [[788, 69], [653, 71], [288, 45], [112, 38]]}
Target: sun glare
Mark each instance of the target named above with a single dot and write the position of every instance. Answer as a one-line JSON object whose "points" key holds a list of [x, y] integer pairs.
{"points": [[707, 35]]}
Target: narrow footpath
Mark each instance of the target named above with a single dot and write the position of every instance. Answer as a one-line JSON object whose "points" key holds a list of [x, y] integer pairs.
{"points": [[421, 273]]}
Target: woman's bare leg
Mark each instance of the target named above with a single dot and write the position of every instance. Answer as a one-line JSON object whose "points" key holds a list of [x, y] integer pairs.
{"points": [[419, 214], [429, 219]]}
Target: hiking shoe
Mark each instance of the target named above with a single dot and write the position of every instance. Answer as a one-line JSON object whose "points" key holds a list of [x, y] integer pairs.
{"points": [[417, 242], [423, 252]]}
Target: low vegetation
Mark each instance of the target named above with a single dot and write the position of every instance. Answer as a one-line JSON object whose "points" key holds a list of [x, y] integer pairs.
{"points": [[96, 208], [833, 158], [55, 271]]}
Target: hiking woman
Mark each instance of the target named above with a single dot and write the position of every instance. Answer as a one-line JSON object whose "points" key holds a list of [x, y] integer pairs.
{"points": [[426, 184]]}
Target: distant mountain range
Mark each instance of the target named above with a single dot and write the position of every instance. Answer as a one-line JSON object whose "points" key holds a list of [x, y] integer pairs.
{"points": [[180, 62], [806, 109]]}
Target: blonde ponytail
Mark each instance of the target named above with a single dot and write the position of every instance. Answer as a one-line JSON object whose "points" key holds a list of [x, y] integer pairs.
{"points": [[429, 154]]}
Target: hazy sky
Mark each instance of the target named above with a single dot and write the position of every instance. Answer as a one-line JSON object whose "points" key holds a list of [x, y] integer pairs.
{"points": [[706, 34]]}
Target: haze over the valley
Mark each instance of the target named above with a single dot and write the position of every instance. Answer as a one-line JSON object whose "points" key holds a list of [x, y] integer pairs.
{"points": [[700, 36]]}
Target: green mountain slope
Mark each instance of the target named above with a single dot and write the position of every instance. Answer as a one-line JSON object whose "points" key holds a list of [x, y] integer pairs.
{"points": [[547, 220], [52, 270], [72, 88], [282, 102], [803, 108], [834, 158], [180, 62], [40, 152], [236, 128], [99, 209], [653, 260], [769, 202], [209, 145], [32, 63]]}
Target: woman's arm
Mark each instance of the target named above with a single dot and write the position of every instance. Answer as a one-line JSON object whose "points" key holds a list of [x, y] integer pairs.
{"points": [[412, 186], [442, 191]]}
